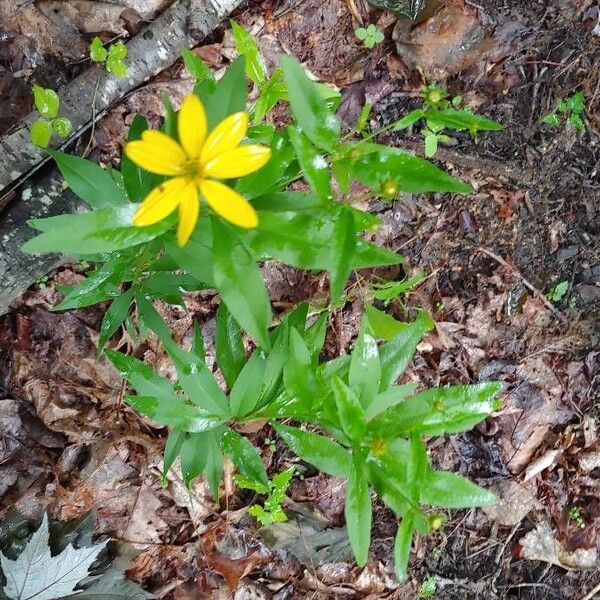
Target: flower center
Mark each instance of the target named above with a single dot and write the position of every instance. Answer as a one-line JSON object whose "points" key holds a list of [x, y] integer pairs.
{"points": [[192, 170]]}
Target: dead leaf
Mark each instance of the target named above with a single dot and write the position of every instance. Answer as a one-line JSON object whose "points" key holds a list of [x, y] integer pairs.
{"points": [[516, 501], [87, 16], [540, 544]]}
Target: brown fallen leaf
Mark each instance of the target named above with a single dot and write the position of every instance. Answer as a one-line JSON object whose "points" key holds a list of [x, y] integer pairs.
{"points": [[541, 544], [229, 555], [85, 15], [515, 502]]}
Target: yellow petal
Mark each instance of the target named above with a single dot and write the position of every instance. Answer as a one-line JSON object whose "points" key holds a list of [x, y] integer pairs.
{"points": [[160, 202], [238, 162], [189, 209], [147, 157], [229, 204], [225, 136], [191, 126]]}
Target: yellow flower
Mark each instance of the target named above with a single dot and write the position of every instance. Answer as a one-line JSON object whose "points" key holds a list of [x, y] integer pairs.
{"points": [[194, 164]]}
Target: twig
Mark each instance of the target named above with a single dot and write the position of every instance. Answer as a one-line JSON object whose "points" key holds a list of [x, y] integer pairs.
{"points": [[524, 280], [591, 594]]}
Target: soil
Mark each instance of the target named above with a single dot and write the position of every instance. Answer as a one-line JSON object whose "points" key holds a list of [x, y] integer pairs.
{"points": [[492, 259]]}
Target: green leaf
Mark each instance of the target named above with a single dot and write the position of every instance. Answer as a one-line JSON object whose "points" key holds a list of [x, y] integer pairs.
{"points": [[461, 120], [384, 326], [230, 352], [175, 440], [116, 67], [315, 167], [228, 96], [41, 132], [577, 123], [398, 352], [98, 52], [101, 284], [170, 286], [349, 411], [240, 283], [196, 67], [194, 377], [91, 183], [117, 51], [274, 90], [214, 462], [62, 126], [193, 456], [245, 45], [325, 454], [388, 398], [195, 257], [360, 33], [142, 377], [315, 335], [246, 391], [552, 119], [244, 456], [448, 490], [46, 101], [438, 411], [378, 165], [365, 367], [576, 102], [105, 230], [402, 545], [431, 144], [113, 318], [358, 510], [408, 120], [298, 375], [343, 249], [309, 107]]}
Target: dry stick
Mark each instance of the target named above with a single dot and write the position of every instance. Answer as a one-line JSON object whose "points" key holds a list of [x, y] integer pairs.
{"points": [[593, 593], [525, 281]]}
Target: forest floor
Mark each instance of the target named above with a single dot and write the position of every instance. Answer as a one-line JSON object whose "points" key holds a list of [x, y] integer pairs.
{"points": [[493, 261]]}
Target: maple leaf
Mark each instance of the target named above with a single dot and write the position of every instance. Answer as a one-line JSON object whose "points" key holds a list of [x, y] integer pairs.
{"points": [[37, 575]]}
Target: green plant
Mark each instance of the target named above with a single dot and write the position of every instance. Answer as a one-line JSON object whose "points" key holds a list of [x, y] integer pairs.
{"points": [[352, 419], [572, 107], [369, 36], [112, 58], [428, 587], [47, 103], [270, 512], [386, 291], [559, 291], [439, 113], [575, 516]]}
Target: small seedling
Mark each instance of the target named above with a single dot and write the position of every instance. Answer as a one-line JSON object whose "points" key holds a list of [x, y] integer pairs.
{"points": [[559, 291], [112, 58], [572, 107], [271, 512], [369, 36], [428, 587], [47, 103], [575, 516]]}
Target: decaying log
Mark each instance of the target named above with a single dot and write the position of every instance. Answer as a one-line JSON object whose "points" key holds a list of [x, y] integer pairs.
{"points": [[154, 49]]}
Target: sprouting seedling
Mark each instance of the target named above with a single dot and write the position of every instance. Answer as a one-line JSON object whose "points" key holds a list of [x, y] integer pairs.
{"points": [[112, 58], [271, 511], [47, 104], [572, 107], [369, 36]]}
